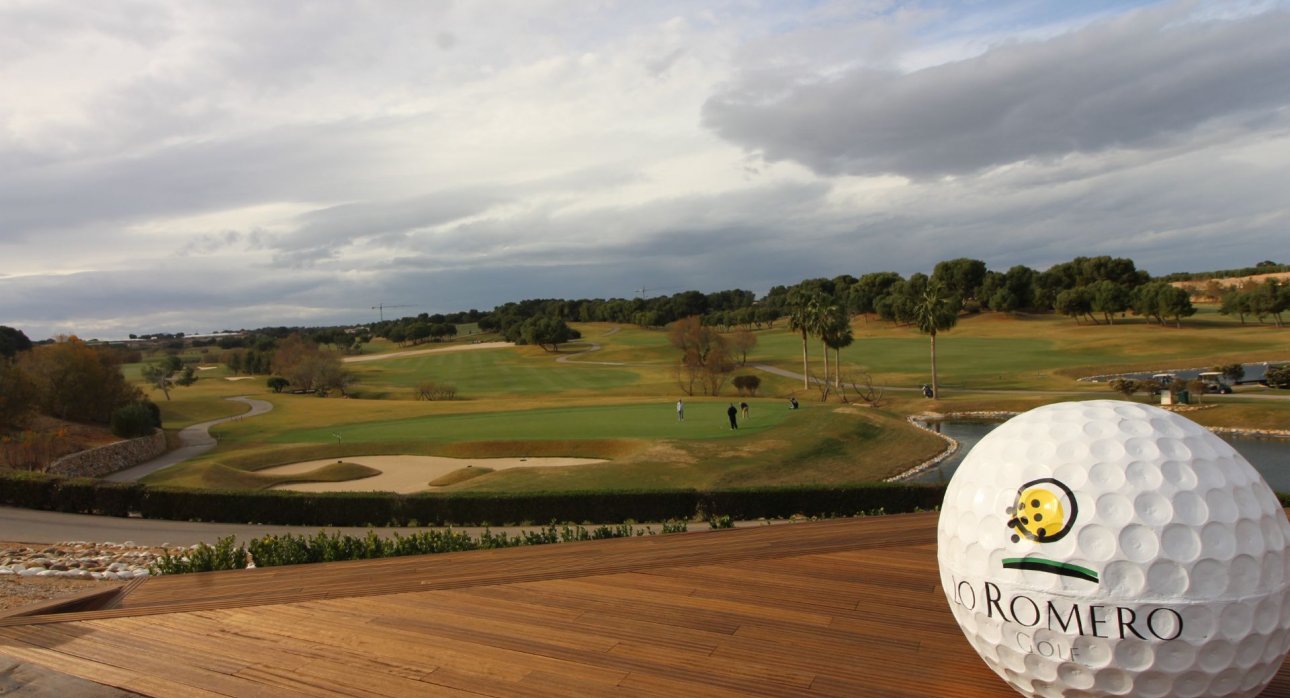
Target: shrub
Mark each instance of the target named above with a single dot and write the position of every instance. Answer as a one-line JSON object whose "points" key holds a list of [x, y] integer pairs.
{"points": [[1278, 377], [132, 421], [29, 490], [1128, 386], [431, 390], [41, 491], [819, 501], [746, 384], [205, 558]]}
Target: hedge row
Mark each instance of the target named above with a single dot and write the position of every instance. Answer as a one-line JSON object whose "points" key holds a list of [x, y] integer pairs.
{"points": [[87, 496]]}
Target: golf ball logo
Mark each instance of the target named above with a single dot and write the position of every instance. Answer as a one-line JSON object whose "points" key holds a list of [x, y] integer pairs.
{"points": [[1044, 511]]}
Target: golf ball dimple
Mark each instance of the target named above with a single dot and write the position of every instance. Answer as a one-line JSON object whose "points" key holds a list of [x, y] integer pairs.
{"points": [[1108, 548]]}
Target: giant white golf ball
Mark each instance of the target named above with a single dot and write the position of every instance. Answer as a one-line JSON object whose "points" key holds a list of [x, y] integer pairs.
{"points": [[1111, 548]]}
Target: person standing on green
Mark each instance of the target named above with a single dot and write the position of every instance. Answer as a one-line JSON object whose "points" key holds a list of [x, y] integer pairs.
{"points": [[680, 411], [733, 414]]}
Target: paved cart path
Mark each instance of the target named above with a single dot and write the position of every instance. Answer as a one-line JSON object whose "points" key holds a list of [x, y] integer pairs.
{"points": [[196, 440]]}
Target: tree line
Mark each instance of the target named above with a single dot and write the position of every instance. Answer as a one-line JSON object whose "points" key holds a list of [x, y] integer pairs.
{"points": [[66, 379], [1271, 298]]}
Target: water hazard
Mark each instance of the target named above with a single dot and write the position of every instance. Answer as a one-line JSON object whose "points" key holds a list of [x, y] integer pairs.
{"points": [[1271, 457]]}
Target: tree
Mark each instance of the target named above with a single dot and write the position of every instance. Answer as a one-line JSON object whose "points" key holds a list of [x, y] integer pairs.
{"points": [[548, 330], [443, 329], [419, 332], [162, 375], [837, 336], [158, 377], [705, 355], [1075, 302], [825, 319], [277, 383], [1269, 298], [1234, 301], [308, 367], [1160, 300], [1108, 298], [960, 277], [12, 341], [741, 342], [1017, 291], [936, 311], [803, 305], [863, 295], [77, 382], [17, 395], [1232, 372]]}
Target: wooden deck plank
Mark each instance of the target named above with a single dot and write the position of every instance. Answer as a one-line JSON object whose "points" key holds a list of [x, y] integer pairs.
{"points": [[835, 608]]}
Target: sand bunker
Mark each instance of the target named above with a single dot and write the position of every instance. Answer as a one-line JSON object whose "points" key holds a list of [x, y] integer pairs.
{"points": [[405, 474]]}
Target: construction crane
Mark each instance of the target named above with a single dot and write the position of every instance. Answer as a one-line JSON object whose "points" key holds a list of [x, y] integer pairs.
{"points": [[380, 307], [642, 291]]}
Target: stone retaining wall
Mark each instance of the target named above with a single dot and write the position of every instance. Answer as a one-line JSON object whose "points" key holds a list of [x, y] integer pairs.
{"points": [[105, 460]]}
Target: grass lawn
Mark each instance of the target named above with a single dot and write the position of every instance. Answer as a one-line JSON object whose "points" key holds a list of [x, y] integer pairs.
{"points": [[1040, 352], [489, 373], [618, 403], [647, 446]]}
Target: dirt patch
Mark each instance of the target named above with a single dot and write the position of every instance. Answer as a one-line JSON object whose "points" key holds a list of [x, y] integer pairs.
{"points": [[664, 452], [18, 591], [1229, 282], [407, 474]]}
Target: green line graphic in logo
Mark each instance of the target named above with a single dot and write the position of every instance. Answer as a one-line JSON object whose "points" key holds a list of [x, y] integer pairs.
{"points": [[1039, 564]]}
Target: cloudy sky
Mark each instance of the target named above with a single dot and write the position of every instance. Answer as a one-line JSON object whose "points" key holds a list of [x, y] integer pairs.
{"points": [[197, 166]]}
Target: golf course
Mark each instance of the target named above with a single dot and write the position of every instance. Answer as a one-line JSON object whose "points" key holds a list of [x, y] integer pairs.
{"points": [[614, 409]]}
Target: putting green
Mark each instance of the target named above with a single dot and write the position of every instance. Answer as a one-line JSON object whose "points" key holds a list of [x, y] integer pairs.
{"points": [[656, 420]]}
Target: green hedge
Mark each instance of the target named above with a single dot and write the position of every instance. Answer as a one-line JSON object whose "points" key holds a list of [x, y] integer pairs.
{"points": [[38, 491], [822, 501]]}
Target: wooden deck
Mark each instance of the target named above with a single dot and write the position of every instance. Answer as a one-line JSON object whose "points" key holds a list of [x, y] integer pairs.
{"points": [[836, 608]]}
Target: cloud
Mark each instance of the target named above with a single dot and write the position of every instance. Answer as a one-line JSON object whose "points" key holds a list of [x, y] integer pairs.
{"points": [[1143, 81], [209, 165]]}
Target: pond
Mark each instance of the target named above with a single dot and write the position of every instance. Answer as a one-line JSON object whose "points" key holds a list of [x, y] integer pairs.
{"points": [[1271, 457]]}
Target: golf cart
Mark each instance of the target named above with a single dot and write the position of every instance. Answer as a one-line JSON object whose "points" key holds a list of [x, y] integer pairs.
{"points": [[1214, 383], [1160, 382]]}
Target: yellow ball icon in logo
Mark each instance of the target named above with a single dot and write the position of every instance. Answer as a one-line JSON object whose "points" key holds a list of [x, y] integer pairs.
{"points": [[1043, 511]]}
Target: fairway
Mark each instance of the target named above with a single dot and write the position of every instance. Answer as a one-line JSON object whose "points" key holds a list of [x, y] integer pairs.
{"points": [[489, 373], [1021, 351], [704, 420]]}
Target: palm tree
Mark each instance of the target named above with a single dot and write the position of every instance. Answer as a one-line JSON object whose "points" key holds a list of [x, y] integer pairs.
{"points": [[935, 311], [803, 307], [839, 336], [823, 325]]}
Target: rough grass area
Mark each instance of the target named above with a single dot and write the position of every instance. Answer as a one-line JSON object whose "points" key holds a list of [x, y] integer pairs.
{"points": [[456, 477], [220, 476]]}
